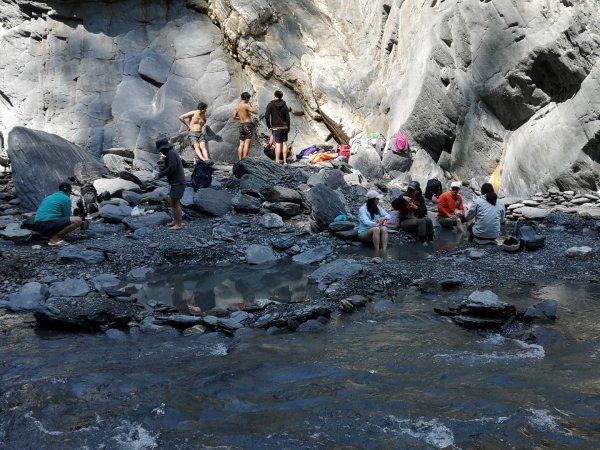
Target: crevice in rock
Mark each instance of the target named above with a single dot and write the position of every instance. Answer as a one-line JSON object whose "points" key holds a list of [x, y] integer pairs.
{"points": [[592, 148], [552, 76], [5, 99]]}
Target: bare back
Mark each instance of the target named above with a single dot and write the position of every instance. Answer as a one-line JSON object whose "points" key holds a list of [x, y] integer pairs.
{"points": [[242, 112]]}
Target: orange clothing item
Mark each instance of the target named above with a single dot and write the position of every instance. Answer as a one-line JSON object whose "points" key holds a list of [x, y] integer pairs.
{"points": [[447, 205]]}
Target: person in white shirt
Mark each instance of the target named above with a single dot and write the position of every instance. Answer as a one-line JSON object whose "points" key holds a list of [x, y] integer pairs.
{"points": [[373, 222], [487, 212]]}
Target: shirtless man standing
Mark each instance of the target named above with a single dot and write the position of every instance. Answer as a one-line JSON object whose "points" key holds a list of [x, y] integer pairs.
{"points": [[195, 121], [242, 113]]}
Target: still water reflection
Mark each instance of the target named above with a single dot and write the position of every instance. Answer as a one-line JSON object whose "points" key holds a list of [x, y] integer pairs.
{"points": [[228, 286]]}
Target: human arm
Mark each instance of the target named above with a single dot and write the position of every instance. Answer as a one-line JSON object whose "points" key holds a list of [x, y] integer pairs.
{"points": [[170, 166], [268, 115], [286, 115], [185, 119], [365, 217], [383, 215], [251, 108], [66, 210], [472, 213], [236, 115]]}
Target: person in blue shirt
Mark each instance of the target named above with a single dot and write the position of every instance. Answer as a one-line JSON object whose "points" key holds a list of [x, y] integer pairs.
{"points": [[373, 222], [53, 217]]}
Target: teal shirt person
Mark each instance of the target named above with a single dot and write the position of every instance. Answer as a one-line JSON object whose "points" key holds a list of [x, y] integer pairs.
{"points": [[54, 207]]}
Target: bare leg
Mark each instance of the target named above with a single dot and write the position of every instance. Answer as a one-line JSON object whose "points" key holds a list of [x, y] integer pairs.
{"points": [[241, 150], [177, 213], [277, 152], [246, 149], [201, 151], [376, 236], [384, 238], [75, 223], [285, 152]]}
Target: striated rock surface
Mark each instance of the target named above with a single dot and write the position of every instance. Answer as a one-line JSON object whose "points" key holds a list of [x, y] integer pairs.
{"points": [[496, 89]]}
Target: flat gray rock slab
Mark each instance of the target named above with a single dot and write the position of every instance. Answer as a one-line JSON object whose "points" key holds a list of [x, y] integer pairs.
{"points": [[139, 273], [213, 202], [313, 255], [28, 298], [260, 254], [69, 287], [531, 213], [15, 233], [271, 220], [335, 271], [106, 281], [78, 254]]}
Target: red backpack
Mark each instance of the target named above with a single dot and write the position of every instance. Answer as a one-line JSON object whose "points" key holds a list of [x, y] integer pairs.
{"points": [[343, 150]]}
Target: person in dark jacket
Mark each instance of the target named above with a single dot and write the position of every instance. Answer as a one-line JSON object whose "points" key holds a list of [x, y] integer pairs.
{"points": [[277, 117], [174, 172]]}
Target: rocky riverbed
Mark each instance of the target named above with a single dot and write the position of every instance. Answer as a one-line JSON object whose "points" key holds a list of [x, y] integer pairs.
{"points": [[259, 213]]}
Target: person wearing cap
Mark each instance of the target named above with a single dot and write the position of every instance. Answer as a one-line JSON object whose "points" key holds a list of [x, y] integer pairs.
{"points": [[54, 218], [412, 213], [487, 212], [451, 210], [373, 222], [173, 170]]}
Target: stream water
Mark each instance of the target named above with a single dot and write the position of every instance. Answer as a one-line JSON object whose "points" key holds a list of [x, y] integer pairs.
{"points": [[392, 376]]}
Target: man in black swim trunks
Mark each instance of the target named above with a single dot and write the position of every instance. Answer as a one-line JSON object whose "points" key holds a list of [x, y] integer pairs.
{"points": [[243, 112]]}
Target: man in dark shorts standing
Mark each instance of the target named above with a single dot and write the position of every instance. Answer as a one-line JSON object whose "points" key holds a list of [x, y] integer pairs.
{"points": [[277, 117], [53, 217], [174, 172], [242, 113]]}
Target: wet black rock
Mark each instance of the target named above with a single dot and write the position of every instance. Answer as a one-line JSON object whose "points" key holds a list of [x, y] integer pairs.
{"points": [[246, 204], [546, 310], [482, 309], [325, 204], [180, 320], [313, 255], [283, 242], [276, 194], [90, 312], [347, 235], [334, 271], [251, 185], [213, 202], [311, 326], [263, 168], [342, 225]]}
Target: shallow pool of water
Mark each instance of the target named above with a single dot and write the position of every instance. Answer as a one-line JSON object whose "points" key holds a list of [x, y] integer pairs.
{"points": [[201, 288], [394, 375]]}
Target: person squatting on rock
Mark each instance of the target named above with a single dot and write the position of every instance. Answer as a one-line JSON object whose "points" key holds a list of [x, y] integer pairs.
{"points": [[277, 116], [487, 212], [373, 222], [451, 210], [412, 213], [195, 122], [173, 170], [53, 217], [243, 112]]}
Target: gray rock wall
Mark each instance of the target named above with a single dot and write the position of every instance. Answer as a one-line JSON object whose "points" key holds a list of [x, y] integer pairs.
{"points": [[499, 87]]}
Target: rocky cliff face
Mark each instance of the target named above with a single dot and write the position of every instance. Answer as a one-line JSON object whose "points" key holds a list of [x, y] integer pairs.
{"points": [[500, 88]]}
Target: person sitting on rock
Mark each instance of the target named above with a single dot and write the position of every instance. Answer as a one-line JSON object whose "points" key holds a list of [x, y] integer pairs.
{"points": [[412, 213], [451, 210], [54, 218], [373, 222], [487, 212], [175, 176]]}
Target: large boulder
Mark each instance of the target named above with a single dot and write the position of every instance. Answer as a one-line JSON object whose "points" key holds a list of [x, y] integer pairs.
{"points": [[115, 213], [366, 159], [213, 202], [260, 167], [325, 204], [28, 298], [40, 161]]}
